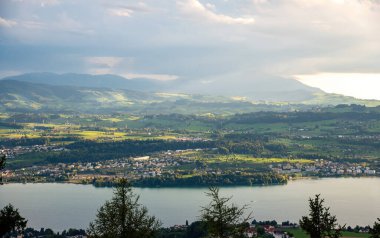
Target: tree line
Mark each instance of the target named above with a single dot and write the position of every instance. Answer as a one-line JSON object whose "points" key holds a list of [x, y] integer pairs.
{"points": [[91, 151], [171, 180]]}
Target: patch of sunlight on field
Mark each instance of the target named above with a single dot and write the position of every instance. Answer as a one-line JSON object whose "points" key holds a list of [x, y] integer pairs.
{"points": [[167, 95], [187, 175], [151, 137], [245, 158], [4, 116], [5, 132], [92, 135], [208, 115], [112, 119], [19, 135], [190, 153], [167, 137], [111, 129], [238, 98], [119, 134], [100, 135], [125, 103], [35, 106], [133, 118], [51, 125], [31, 125], [103, 99], [119, 97]]}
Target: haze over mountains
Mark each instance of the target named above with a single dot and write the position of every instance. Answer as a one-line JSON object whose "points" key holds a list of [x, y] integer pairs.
{"points": [[112, 93], [249, 48], [87, 80], [268, 89]]}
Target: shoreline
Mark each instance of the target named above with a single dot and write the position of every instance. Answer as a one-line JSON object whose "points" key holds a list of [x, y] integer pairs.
{"points": [[298, 178]]}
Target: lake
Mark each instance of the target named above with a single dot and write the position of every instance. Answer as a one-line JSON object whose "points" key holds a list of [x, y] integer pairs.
{"points": [[61, 206]]}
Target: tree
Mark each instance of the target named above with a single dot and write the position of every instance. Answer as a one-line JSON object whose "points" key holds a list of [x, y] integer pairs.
{"points": [[10, 220], [260, 230], [2, 161], [197, 229], [223, 219], [320, 222], [123, 216], [2, 165], [375, 230]]}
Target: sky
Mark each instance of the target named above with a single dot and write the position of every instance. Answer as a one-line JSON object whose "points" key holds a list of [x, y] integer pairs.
{"points": [[333, 45]]}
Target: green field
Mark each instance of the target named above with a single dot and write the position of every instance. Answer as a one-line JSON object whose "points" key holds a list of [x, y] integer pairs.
{"points": [[249, 159], [298, 233], [250, 141]]}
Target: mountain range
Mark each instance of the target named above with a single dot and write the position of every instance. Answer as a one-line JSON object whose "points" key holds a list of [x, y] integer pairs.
{"points": [[112, 93], [268, 89]]}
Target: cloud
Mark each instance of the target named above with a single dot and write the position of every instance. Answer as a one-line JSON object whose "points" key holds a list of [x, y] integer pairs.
{"points": [[68, 23], [44, 3], [128, 10], [197, 9], [7, 23], [160, 77], [33, 25], [117, 65], [109, 61], [259, 1], [357, 85], [121, 12]]}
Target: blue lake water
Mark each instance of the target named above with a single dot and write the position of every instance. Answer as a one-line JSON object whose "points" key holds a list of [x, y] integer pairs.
{"points": [[61, 206]]}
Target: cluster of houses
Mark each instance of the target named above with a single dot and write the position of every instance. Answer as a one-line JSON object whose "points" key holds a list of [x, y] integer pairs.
{"points": [[131, 168], [276, 232], [12, 152], [168, 162], [255, 230], [324, 168]]}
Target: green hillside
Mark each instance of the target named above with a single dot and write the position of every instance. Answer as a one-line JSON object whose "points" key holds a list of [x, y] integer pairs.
{"points": [[21, 96]]}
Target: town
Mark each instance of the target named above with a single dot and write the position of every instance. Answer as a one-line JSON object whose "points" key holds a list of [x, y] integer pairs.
{"points": [[177, 163]]}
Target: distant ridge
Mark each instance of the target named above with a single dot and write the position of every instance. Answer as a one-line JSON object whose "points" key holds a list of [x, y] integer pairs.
{"points": [[271, 89], [108, 93], [25, 96], [88, 80], [21, 96]]}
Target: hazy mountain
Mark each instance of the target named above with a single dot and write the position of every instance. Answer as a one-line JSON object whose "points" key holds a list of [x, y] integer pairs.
{"points": [[88, 80], [255, 87], [263, 87], [25, 96], [18, 95]]}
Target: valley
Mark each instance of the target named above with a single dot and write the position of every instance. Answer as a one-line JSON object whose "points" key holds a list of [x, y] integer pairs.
{"points": [[191, 150]]}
